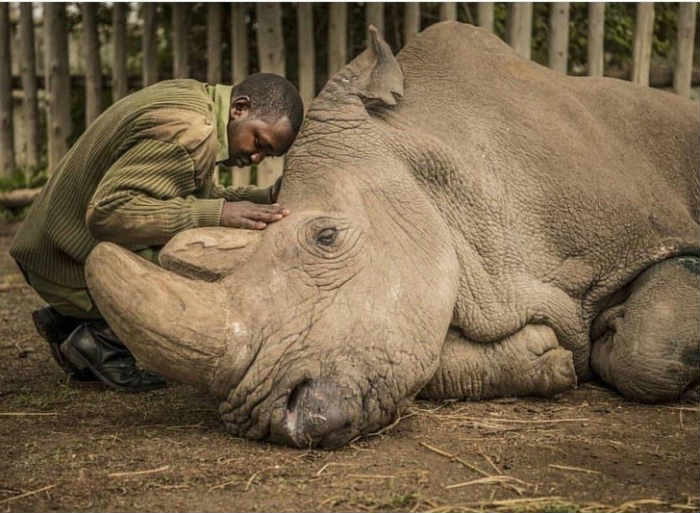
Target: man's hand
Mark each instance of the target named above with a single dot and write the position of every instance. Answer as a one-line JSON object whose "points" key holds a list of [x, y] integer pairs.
{"points": [[253, 216]]}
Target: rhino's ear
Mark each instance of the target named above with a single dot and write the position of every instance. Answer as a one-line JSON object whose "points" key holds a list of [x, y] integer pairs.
{"points": [[375, 75]]}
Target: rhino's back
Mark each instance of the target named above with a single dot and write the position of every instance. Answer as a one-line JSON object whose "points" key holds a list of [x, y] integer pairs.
{"points": [[576, 183], [480, 84]]}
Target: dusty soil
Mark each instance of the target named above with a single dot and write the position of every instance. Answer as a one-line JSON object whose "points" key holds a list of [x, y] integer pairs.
{"points": [[71, 447]]}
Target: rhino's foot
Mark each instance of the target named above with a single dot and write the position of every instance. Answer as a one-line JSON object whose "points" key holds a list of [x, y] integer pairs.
{"points": [[529, 362], [648, 347]]}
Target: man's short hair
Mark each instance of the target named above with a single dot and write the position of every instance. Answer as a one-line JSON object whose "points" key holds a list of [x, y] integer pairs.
{"points": [[272, 95]]}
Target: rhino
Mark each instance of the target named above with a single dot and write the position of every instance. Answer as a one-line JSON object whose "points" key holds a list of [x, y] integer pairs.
{"points": [[464, 223]]}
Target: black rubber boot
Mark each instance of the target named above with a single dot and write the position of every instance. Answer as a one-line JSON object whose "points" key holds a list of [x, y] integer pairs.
{"points": [[93, 346], [55, 328]]}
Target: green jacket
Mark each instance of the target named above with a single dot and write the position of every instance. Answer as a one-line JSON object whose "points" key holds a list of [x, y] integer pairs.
{"points": [[138, 175]]}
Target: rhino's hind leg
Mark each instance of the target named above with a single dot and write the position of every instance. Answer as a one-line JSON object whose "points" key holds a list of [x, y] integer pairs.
{"points": [[529, 362], [648, 346]]}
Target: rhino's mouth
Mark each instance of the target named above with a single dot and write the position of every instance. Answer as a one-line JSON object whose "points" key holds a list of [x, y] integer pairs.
{"points": [[318, 413], [304, 407]]}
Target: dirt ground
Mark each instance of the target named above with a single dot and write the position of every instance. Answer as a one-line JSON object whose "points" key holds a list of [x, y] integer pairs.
{"points": [[67, 447]]}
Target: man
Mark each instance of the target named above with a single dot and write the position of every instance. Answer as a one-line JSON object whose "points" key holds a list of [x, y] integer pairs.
{"points": [[138, 175]]}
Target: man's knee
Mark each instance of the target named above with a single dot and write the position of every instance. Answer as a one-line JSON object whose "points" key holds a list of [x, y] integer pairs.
{"points": [[68, 301]]}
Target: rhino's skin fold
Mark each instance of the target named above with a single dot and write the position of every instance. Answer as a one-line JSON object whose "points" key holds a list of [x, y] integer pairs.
{"points": [[461, 220]]}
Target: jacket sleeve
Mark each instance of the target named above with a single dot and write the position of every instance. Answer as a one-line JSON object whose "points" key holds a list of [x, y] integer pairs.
{"points": [[247, 193], [146, 197]]}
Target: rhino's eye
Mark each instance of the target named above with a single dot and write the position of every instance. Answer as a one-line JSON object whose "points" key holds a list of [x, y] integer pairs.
{"points": [[327, 236]]}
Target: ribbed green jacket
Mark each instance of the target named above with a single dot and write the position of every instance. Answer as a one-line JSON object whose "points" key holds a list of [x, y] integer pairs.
{"points": [[138, 175]]}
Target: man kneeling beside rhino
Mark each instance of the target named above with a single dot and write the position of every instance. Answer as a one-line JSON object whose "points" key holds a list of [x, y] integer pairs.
{"points": [[464, 224], [141, 173]]}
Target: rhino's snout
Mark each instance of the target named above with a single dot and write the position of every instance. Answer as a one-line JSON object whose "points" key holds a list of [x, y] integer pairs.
{"points": [[319, 413]]}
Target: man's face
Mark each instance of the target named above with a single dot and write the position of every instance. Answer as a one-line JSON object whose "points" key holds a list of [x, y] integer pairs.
{"points": [[252, 138]]}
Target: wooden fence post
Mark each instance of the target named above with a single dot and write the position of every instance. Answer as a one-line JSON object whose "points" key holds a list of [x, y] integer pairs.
{"points": [[375, 16], [93, 66], [7, 140], [239, 42], [271, 59], [559, 36], [179, 40], [467, 17], [448, 11], [411, 21], [307, 53], [120, 80], [269, 38], [150, 43], [337, 37], [519, 30], [684, 52], [214, 24], [57, 80], [484, 15], [643, 36], [596, 38], [239, 70], [30, 104]]}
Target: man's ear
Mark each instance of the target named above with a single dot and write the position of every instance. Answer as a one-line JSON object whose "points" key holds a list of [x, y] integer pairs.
{"points": [[240, 107]]}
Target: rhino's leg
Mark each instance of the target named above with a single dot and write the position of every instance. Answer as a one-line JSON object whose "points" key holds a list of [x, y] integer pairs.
{"points": [[648, 346], [529, 362]]}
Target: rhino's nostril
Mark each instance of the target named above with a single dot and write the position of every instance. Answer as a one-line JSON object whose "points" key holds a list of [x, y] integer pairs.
{"points": [[319, 413]]}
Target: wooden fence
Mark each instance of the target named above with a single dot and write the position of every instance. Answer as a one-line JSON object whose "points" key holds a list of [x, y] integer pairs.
{"points": [[268, 39]]}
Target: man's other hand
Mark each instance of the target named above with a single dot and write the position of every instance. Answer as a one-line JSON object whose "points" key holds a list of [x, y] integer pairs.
{"points": [[252, 216]]}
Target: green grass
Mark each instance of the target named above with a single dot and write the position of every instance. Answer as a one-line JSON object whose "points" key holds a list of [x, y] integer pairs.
{"points": [[24, 178]]}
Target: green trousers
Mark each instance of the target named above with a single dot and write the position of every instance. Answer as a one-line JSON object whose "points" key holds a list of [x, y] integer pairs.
{"points": [[74, 302]]}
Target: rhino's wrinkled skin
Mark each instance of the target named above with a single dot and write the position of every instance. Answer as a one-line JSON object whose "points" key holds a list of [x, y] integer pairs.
{"points": [[464, 223]]}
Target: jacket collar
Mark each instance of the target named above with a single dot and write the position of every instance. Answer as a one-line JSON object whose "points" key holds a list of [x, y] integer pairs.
{"points": [[221, 97]]}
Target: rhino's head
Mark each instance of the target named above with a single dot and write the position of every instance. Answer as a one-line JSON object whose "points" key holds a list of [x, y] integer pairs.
{"points": [[321, 327]]}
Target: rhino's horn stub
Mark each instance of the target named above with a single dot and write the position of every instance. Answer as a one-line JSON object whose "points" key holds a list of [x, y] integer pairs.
{"points": [[173, 325], [210, 253]]}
